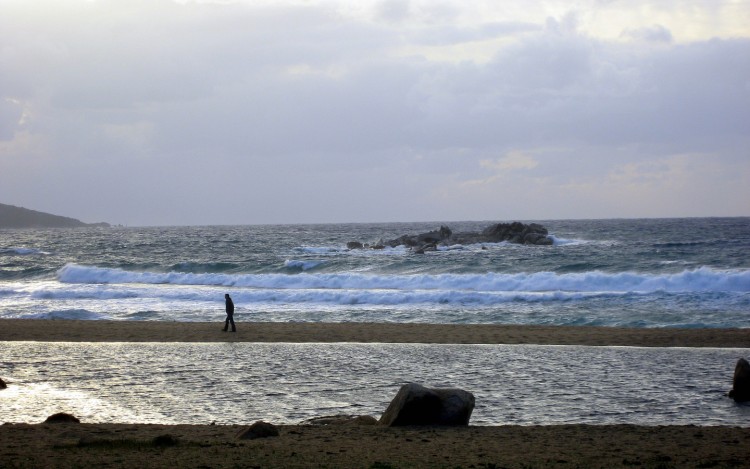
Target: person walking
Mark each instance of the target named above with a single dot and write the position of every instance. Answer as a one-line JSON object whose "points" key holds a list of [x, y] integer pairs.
{"points": [[230, 313]]}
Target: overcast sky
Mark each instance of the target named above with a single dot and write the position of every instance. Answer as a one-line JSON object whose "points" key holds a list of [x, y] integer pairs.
{"points": [[161, 112]]}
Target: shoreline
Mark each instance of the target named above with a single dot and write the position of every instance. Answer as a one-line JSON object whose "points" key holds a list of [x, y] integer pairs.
{"points": [[373, 446], [52, 330]]}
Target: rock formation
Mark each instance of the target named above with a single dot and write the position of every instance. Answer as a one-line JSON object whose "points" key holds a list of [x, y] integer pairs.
{"points": [[741, 383], [2, 384], [259, 429], [417, 405], [516, 232], [62, 417]]}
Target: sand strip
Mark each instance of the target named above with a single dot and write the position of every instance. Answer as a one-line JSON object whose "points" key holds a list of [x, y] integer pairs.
{"points": [[151, 331], [352, 446]]}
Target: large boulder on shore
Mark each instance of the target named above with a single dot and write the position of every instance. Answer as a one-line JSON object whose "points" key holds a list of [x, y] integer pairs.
{"points": [[62, 417], [741, 383], [417, 405], [259, 429]]}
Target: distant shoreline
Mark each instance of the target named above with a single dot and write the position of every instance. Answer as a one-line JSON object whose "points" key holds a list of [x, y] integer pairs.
{"points": [[12, 217], [47, 330]]}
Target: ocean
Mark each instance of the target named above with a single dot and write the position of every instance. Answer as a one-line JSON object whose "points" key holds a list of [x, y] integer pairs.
{"points": [[692, 272], [687, 273]]}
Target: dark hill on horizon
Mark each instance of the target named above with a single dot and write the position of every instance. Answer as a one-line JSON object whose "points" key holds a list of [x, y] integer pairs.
{"points": [[18, 217]]}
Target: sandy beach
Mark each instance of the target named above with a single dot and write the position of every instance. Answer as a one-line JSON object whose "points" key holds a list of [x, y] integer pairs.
{"points": [[152, 331], [352, 446], [348, 445]]}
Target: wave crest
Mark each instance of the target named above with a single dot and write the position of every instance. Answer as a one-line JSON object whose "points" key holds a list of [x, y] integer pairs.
{"points": [[697, 280]]}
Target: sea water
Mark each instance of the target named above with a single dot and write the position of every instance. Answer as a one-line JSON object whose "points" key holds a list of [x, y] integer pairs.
{"points": [[688, 273], [239, 383], [637, 273]]}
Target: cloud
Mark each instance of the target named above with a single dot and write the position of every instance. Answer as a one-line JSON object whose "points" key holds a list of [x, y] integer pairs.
{"points": [[655, 33], [513, 161], [392, 10], [10, 117], [317, 108]]}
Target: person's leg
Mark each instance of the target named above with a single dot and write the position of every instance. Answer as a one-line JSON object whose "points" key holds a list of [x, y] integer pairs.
{"points": [[234, 328], [226, 324]]}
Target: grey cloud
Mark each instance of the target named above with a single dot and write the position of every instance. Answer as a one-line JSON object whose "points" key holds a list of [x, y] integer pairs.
{"points": [[10, 115], [655, 33], [197, 97], [445, 35], [392, 10], [547, 90]]}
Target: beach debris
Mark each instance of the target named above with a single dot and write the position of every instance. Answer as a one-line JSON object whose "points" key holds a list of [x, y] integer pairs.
{"points": [[342, 419], [2, 384], [415, 404], [259, 429], [515, 232], [741, 383], [62, 417]]}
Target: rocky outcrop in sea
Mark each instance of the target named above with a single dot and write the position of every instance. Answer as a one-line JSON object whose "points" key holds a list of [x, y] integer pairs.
{"points": [[515, 232]]}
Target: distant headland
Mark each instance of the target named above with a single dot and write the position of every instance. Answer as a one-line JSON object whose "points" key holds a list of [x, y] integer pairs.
{"points": [[18, 217]]}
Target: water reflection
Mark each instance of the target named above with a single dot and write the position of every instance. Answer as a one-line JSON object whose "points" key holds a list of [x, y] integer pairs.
{"points": [[287, 383]]}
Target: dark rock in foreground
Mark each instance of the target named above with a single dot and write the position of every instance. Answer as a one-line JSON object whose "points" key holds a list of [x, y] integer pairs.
{"points": [[2, 384], [516, 232], [259, 429], [62, 417], [417, 405], [741, 383]]}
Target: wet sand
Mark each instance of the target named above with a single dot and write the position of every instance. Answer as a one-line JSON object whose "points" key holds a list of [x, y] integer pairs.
{"points": [[151, 331], [371, 446]]}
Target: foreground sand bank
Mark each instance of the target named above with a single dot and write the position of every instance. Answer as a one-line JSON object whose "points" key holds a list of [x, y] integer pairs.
{"points": [[151, 331], [350, 446]]}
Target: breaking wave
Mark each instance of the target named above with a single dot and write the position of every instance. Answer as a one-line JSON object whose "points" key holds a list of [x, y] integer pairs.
{"points": [[703, 279]]}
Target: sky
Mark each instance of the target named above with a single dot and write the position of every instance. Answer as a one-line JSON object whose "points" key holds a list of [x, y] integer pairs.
{"points": [[165, 112]]}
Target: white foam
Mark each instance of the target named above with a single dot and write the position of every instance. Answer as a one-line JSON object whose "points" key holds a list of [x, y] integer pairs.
{"points": [[452, 247], [566, 242], [319, 250], [77, 314], [697, 280], [302, 265], [24, 251]]}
